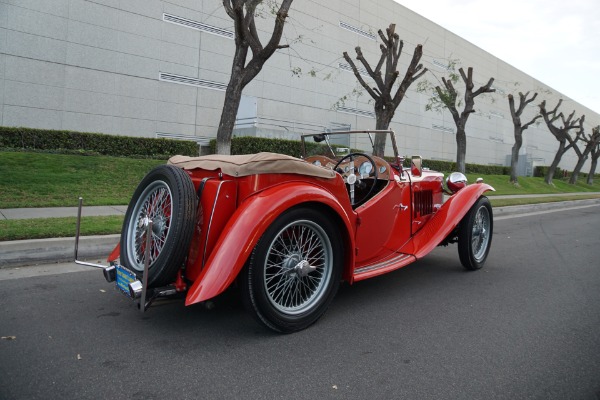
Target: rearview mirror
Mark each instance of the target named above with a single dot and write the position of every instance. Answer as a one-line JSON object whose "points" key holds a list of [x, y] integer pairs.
{"points": [[319, 138]]}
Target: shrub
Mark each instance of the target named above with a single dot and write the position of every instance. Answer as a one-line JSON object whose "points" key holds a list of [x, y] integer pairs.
{"points": [[540, 171], [251, 145], [93, 143]]}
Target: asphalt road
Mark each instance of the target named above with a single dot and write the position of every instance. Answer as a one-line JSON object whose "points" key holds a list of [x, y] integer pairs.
{"points": [[527, 326]]}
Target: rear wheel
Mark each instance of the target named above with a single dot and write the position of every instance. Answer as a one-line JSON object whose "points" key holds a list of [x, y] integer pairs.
{"points": [[294, 271], [475, 235], [166, 196]]}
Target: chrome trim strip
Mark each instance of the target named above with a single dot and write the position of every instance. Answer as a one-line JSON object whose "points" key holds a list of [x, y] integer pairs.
{"points": [[383, 264], [77, 234], [212, 213]]}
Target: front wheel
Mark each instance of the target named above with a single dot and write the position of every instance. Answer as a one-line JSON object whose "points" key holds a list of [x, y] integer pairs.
{"points": [[475, 234], [294, 271]]}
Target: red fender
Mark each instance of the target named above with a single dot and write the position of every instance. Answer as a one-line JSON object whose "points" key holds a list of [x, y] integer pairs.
{"points": [[445, 220], [245, 227]]}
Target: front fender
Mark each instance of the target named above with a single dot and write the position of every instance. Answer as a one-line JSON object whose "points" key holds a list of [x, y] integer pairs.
{"points": [[445, 220], [247, 224]]}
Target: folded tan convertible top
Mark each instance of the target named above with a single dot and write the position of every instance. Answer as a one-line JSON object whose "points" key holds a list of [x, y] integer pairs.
{"points": [[252, 164]]}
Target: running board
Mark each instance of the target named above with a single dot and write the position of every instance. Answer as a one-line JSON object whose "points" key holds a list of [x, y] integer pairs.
{"points": [[399, 260]]}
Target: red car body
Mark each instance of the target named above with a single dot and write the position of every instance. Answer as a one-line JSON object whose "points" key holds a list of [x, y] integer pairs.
{"points": [[404, 219]]}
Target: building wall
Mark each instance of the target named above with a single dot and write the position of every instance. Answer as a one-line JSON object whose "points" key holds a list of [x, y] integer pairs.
{"points": [[158, 68]]}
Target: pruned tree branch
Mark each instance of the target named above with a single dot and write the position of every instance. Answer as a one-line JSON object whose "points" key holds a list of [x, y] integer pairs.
{"points": [[243, 13], [386, 92], [519, 127], [448, 98], [561, 134]]}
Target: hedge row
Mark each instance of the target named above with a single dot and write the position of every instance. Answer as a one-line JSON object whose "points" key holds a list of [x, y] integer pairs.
{"points": [[540, 171], [93, 143], [125, 146], [250, 145]]}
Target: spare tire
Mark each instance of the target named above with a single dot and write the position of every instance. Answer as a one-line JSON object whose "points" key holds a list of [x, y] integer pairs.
{"points": [[166, 196]]}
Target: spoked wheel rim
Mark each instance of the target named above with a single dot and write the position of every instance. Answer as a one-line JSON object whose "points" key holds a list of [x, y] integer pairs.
{"points": [[155, 204], [298, 267], [480, 237]]}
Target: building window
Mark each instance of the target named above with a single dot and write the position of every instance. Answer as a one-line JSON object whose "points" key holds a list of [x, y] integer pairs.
{"points": [[187, 80], [356, 111], [357, 30], [188, 23]]}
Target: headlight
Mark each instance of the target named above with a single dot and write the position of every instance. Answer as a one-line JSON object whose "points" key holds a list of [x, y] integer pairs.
{"points": [[456, 181]]}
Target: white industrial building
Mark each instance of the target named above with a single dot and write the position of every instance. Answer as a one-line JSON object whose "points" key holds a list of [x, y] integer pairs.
{"points": [[158, 68]]}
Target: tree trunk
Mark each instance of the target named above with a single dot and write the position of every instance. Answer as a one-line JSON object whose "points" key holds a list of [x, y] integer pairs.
{"points": [[578, 166], [559, 153], [514, 160], [382, 123], [461, 149], [590, 178], [233, 96]]}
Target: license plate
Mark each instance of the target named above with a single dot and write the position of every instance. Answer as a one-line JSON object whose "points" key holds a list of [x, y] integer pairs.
{"points": [[123, 278]]}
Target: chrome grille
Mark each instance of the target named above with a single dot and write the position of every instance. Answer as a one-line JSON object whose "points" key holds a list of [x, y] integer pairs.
{"points": [[423, 204]]}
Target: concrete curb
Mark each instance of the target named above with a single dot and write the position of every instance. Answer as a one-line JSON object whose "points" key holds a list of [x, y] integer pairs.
{"points": [[40, 251], [529, 208]]}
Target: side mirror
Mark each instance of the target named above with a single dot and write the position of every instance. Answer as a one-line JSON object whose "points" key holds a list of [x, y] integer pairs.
{"points": [[416, 166]]}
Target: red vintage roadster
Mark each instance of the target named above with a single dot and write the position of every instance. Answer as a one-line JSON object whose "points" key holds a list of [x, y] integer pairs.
{"points": [[288, 230]]}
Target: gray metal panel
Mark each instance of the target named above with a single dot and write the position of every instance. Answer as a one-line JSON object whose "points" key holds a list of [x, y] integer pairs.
{"points": [[33, 118], [88, 122], [35, 47], [36, 23], [54, 7]]}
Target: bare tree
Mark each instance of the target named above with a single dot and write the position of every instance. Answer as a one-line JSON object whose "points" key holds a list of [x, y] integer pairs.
{"points": [[386, 102], [242, 12], [448, 98], [562, 134], [519, 127], [591, 142], [595, 155]]}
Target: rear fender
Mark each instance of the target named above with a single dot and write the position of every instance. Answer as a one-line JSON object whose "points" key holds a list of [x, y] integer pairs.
{"points": [[248, 223], [445, 220]]}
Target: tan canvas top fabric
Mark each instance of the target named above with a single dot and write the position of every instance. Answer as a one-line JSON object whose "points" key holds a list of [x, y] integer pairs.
{"points": [[252, 164]]}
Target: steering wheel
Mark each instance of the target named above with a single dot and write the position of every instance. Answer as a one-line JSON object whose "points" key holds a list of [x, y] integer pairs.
{"points": [[356, 175]]}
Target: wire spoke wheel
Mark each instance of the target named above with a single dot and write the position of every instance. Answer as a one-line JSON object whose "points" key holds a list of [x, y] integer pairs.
{"points": [[298, 267], [166, 196], [481, 233], [475, 235], [155, 205], [294, 271]]}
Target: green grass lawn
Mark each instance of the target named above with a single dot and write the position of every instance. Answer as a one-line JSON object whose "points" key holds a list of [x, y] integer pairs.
{"points": [[55, 180], [531, 185], [536, 200], [49, 180], [40, 228]]}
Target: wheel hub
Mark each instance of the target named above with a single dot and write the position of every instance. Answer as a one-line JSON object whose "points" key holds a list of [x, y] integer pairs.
{"points": [[158, 226], [290, 263], [303, 268]]}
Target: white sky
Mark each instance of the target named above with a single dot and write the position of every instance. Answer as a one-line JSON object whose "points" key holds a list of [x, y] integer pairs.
{"points": [[554, 41]]}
